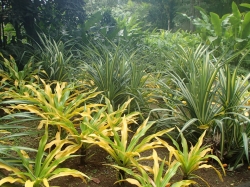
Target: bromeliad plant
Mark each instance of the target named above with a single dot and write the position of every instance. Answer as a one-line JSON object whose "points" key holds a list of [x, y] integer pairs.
{"points": [[62, 106], [98, 120], [196, 89], [193, 159], [122, 146], [162, 173], [9, 125], [45, 167], [13, 77], [110, 72]]}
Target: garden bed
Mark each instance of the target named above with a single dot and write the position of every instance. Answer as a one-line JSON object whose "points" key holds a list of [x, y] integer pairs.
{"points": [[102, 175], [105, 176]]}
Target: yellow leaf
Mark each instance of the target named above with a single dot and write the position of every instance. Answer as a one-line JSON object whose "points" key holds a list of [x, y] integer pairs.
{"points": [[133, 181], [31, 108], [13, 169], [4, 132], [11, 180], [25, 155], [28, 183], [46, 183], [124, 133], [16, 83], [66, 172], [4, 79], [68, 151], [203, 127], [49, 93], [59, 89], [42, 122], [156, 164], [210, 166], [55, 142]]}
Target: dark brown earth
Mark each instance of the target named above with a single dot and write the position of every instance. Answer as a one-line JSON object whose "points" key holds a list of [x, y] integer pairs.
{"points": [[105, 176]]}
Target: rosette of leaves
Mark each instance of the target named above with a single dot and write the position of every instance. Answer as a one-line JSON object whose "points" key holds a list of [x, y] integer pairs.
{"points": [[158, 175], [13, 78], [194, 158], [61, 105], [123, 146], [45, 167]]}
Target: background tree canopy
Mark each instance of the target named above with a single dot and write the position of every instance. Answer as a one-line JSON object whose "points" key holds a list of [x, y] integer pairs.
{"points": [[48, 16], [65, 17]]}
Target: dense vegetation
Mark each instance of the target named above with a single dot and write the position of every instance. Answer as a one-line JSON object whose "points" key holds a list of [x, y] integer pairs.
{"points": [[117, 75]]}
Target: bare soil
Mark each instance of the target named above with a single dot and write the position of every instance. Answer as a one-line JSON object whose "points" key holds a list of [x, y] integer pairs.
{"points": [[105, 176]]}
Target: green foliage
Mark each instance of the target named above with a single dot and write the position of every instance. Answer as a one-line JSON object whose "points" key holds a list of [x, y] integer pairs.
{"points": [[51, 17], [10, 125], [103, 27], [130, 30], [118, 145], [54, 59], [109, 71], [100, 26], [61, 105], [231, 31], [116, 73], [234, 129], [45, 167], [162, 45], [205, 95], [166, 40], [162, 173], [13, 78], [193, 159], [195, 86]]}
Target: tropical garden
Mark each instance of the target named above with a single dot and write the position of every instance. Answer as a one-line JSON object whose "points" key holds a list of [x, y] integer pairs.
{"points": [[157, 92]]}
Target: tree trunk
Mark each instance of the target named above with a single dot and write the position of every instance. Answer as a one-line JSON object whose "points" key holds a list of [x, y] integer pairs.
{"points": [[169, 24], [18, 32], [27, 13], [192, 13], [29, 26]]}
